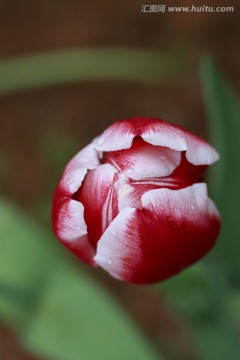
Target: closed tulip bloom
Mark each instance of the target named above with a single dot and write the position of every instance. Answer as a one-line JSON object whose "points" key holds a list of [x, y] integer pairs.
{"points": [[134, 202]]}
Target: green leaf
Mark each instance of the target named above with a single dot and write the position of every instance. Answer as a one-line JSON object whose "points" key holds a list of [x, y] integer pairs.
{"points": [[224, 126], [26, 254], [90, 64], [25, 249], [76, 319], [61, 313]]}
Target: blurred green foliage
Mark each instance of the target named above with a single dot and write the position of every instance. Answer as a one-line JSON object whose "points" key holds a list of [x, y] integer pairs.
{"points": [[76, 318], [90, 64], [224, 127], [61, 312]]}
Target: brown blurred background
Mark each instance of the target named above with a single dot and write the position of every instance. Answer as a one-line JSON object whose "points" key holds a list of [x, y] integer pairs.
{"points": [[65, 118]]}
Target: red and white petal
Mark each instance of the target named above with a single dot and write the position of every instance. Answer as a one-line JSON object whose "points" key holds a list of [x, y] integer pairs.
{"points": [[116, 244], [166, 235], [180, 203], [144, 161], [130, 193], [83, 249], [187, 174], [69, 226], [116, 137], [160, 133], [122, 250], [87, 158], [198, 152], [71, 181], [96, 195], [190, 221], [156, 132], [76, 169], [128, 196]]}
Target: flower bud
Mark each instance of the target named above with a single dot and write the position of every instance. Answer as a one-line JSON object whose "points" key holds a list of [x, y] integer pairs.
{"points": [[133, 201]]}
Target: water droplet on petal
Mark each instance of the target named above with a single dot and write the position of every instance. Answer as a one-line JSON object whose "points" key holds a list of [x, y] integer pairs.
{"points": [[129, 171], [109, 262], [193, 207]]}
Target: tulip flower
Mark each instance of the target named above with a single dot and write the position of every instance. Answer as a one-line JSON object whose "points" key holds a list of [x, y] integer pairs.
{"points": [[134, 202]]}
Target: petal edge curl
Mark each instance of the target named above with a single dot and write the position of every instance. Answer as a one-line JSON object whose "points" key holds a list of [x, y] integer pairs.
{"points": [[120, 135]]}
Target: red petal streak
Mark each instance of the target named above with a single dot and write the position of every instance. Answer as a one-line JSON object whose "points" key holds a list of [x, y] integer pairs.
{"points": [[156, 132], [75, 171], [67, 214], [116, 137], [173, 230], [96, 195], [189, 220], [69, 226], [122, 249], [83, 249], [187, 173], [198, 152], [71, 182], [144, 161], [131, 191]]}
